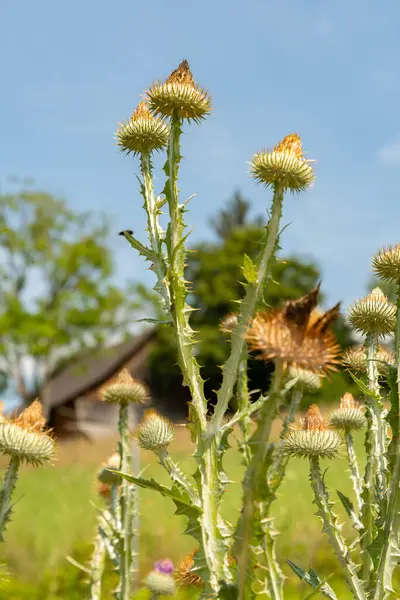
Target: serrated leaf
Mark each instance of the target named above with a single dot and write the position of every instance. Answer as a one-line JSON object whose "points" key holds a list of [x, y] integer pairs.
{"points": [[154, 321], [249, 270], [151, 484], [364, 388], [313, 580], [349, 508]]}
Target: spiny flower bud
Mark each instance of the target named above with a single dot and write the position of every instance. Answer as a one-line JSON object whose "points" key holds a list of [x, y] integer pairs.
{"points": [[386, 263], [306, 379], [160, 584], [228, 323], [154, 432], [105, 475], [349, 415], [313, 438], [143, 133], [179, 96], [285, 166], [355, 359], [184, 574], [373, 314], [24, 438], [125, 390]]}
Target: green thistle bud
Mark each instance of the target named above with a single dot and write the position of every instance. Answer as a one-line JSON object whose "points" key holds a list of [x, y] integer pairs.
{"points": [[160, 584], [105, 475], [285, 165], [349, 416], [228, 323], [386, 263], [179, 96], [125, 390], [355, 359], [313, 438], [143, 133], [154, 432], [306, 379], [373, 314]]}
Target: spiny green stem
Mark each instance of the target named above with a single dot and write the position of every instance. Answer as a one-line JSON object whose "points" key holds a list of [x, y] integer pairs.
{"points": [[259, 444], [230, 368], [392, 521], [97, 567], [354, 470], [321, 499], [9, 483], [274, 574], [177, 476], [243, 396]]}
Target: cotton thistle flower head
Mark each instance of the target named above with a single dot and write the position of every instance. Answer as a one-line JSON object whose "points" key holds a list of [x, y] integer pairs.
{"points": [[106, 474], [228, 323], [297, 334], [185, 576], [160, 584], [24, 437], [125, 390], [154, 432], [386, 263], [373, 314], [313, 437], [143, 133], [285, 166], [308, 380], [355, 359], [349, 416], [165, 566], [179, 96]]}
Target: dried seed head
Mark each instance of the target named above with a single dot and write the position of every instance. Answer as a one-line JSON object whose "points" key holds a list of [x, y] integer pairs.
{"points": [[373, 314], [32, 418], [386, 263], [355, 359], [306, 379], [349, 416], [160, 584], [125, 390], [285, 165], [313, 438], [179, 96], [143, 133], [185, 576], [228, 323], [105, 475], [154, 432], [297, 334]]}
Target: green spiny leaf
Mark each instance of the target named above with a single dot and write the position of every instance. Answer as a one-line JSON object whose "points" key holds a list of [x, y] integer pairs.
{"points": [[249, 270], [313, 580], [364, 388]]}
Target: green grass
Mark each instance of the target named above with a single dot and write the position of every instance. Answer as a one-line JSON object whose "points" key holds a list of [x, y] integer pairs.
{"points": [[55, 517]]}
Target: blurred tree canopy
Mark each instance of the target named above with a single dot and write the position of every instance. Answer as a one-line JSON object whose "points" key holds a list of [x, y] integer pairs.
{"points": [[57, 297], [214, 269]]}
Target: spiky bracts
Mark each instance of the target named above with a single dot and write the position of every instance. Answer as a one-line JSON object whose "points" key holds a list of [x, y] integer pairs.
{"points": [[154, 432], [179, 96], [386, 263], [355, 359], [285, 165], [143, 133], [349, 416], [228, 323], [312, 437], [159, 584], [373, 314], [297, 334], [305, 379], [125, 390]]}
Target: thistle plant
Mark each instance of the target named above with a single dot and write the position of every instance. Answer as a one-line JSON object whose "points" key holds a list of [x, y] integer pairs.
{"points": [[239, 559]]}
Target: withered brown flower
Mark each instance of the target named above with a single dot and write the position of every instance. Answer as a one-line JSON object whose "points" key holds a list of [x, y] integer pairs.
{"points": [[184, 575], [298, 334]]}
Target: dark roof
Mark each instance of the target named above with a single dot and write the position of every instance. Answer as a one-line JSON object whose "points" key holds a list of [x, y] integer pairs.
{"points": [[92, 370]]}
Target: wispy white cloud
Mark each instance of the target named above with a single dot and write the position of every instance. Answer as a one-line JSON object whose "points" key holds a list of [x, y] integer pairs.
{"points": [[389, 154]]}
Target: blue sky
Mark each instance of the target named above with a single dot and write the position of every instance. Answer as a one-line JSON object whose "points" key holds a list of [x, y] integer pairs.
{"points": [[329, 71]]}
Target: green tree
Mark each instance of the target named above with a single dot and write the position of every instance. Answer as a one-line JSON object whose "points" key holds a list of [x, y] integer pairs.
{"points": [[57, 297]]}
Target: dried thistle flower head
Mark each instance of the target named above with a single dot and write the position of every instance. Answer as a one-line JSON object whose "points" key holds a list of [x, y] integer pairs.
{"points": [[349, 416], [285, 166], [308, 380], [373, 314], [125, 390], [160, 584], [104, 490], [297, 334], [105, 475], [179, 96], [228, 323], [312, 438], [386, 263], [24, 437], [185, 576], [154, 432], [143, 133], [355, 359]]}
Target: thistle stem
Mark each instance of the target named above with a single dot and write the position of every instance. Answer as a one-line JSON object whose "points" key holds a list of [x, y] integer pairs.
{"points": [[321, 499], [253, 476], [354, 470], [97, 567], [9, 483], [254, 289], [176, 475], [243, 403]]}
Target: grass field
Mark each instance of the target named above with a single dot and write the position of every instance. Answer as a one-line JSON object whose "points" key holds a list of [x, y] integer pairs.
{"points": [[55, 517]]}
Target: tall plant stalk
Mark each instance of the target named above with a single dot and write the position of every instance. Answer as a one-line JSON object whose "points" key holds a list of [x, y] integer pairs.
{"points": [[6, 493]]}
